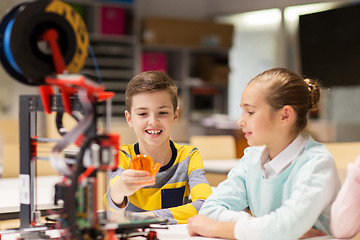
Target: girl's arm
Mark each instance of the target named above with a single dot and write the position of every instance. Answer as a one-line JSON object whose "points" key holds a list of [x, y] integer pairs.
{"points": [[345, 212], [201, 225], [313, 191], [229, 197]]}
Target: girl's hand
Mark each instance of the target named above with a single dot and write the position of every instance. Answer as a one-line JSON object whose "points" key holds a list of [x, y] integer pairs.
{"points": [[128, 183], [201, 225]]}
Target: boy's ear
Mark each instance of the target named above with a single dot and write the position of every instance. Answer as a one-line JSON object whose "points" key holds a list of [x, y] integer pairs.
{"points": [[287, 114], [176, 114], [128, 118]]}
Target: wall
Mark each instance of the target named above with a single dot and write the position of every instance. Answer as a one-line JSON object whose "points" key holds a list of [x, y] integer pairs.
{"points": [[238, 6], [210, 8], [255, 53], [259, 46], [256, 49]]}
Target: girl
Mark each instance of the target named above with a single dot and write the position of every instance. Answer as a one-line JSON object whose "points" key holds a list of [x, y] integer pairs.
{"points": [[286, 179]]}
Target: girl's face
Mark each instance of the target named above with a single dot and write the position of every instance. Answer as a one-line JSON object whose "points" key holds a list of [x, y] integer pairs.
{"points": [[152, 117], [258, 119]]}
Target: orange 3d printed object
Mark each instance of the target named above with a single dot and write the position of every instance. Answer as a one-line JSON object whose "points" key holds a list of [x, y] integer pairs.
{"points": [[145, 163]]}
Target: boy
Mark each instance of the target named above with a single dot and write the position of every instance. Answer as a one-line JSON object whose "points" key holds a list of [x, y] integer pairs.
{"points": [[151, 103]]}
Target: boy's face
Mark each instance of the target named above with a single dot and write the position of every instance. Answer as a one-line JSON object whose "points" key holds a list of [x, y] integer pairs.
{"points": [[152, 117]]}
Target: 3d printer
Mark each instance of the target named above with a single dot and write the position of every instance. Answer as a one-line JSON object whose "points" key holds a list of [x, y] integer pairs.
{"points": [[45, 44]]}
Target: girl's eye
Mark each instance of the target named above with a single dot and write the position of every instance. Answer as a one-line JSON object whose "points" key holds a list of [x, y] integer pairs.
{"points": [[250, 113]]}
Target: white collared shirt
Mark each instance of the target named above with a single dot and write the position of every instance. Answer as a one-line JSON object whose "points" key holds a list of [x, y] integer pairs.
{"points": [[274, 167]]}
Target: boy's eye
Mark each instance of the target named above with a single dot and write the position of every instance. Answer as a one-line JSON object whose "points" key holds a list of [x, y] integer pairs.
{"points": [[163, 113], [142, 114], [250, 113]]}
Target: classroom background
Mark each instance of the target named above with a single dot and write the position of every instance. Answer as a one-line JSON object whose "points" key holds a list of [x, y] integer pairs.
{"points": [[212, 48]]}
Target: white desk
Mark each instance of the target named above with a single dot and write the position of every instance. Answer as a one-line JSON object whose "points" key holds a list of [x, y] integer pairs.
{"points": [[45, 192], [10, 187], [174, 232], [222, 166], [179, 231], [216, 170]]}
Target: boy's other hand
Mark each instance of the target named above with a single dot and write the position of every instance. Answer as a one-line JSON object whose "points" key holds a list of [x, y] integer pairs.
{"points": [[132, 180]]}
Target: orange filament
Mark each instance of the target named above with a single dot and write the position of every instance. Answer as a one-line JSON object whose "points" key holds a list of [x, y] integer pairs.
{"points": [[145, 163]]}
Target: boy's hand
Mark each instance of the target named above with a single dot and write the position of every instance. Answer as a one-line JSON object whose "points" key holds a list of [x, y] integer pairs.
{"points": [[128, 183]]}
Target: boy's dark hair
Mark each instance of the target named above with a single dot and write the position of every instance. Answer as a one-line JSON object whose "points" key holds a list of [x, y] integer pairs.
{"points": [[150, 81], [285, 87]]}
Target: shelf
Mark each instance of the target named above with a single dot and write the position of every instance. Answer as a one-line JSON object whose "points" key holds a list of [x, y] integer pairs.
{"points": [[185, 65], [169, 47], [112, 59], [207, 91], [119, 58]]}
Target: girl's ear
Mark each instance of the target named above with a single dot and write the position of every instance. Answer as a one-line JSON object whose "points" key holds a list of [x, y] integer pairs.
{"points": [[176, 114], [287, 114], [128, 118]]}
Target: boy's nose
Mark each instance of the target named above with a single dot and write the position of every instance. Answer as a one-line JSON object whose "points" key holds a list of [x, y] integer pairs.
{"points": [[153, 119]]}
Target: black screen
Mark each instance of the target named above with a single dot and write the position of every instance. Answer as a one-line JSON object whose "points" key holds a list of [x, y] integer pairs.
{"points": [[330, 46]]}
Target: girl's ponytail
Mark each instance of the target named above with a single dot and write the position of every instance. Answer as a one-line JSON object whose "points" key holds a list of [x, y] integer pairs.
{"points": [[314, 93]]}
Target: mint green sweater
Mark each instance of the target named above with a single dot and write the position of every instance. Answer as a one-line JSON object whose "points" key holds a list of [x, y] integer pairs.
{"points": [[284, 207]]}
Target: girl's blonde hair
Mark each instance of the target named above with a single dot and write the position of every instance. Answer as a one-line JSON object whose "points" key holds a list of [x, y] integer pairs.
{"points": [[285, 87]]}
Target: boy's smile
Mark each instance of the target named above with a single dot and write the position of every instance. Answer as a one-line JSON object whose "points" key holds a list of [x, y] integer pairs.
{"points": [[153, 131]]}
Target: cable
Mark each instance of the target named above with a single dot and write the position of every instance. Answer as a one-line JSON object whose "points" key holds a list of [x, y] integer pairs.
{"points": [[96, 66], [59, 122], [69, 204]]}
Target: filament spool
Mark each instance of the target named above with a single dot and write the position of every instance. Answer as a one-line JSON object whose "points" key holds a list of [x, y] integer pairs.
{"points": [[22, 52]]}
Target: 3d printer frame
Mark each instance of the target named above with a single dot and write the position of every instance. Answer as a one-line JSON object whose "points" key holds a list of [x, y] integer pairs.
{"points": [[29, 106]]}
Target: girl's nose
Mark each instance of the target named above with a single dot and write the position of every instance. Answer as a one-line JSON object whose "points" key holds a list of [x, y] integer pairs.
{"points": [[241, 121]]}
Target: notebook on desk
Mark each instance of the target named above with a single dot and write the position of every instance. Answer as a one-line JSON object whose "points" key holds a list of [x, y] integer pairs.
{"points": [[127, 220]]}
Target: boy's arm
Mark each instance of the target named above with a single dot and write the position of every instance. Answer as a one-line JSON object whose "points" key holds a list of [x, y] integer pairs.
{"points": [[109, 204], [180, 214], [199, 191]]}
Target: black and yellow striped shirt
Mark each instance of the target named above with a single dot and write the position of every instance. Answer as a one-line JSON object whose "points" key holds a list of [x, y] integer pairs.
{"points": [[182, 177]]}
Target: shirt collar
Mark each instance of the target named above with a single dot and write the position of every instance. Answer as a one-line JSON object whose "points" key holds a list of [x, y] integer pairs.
{"points": [[285, 158]]}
